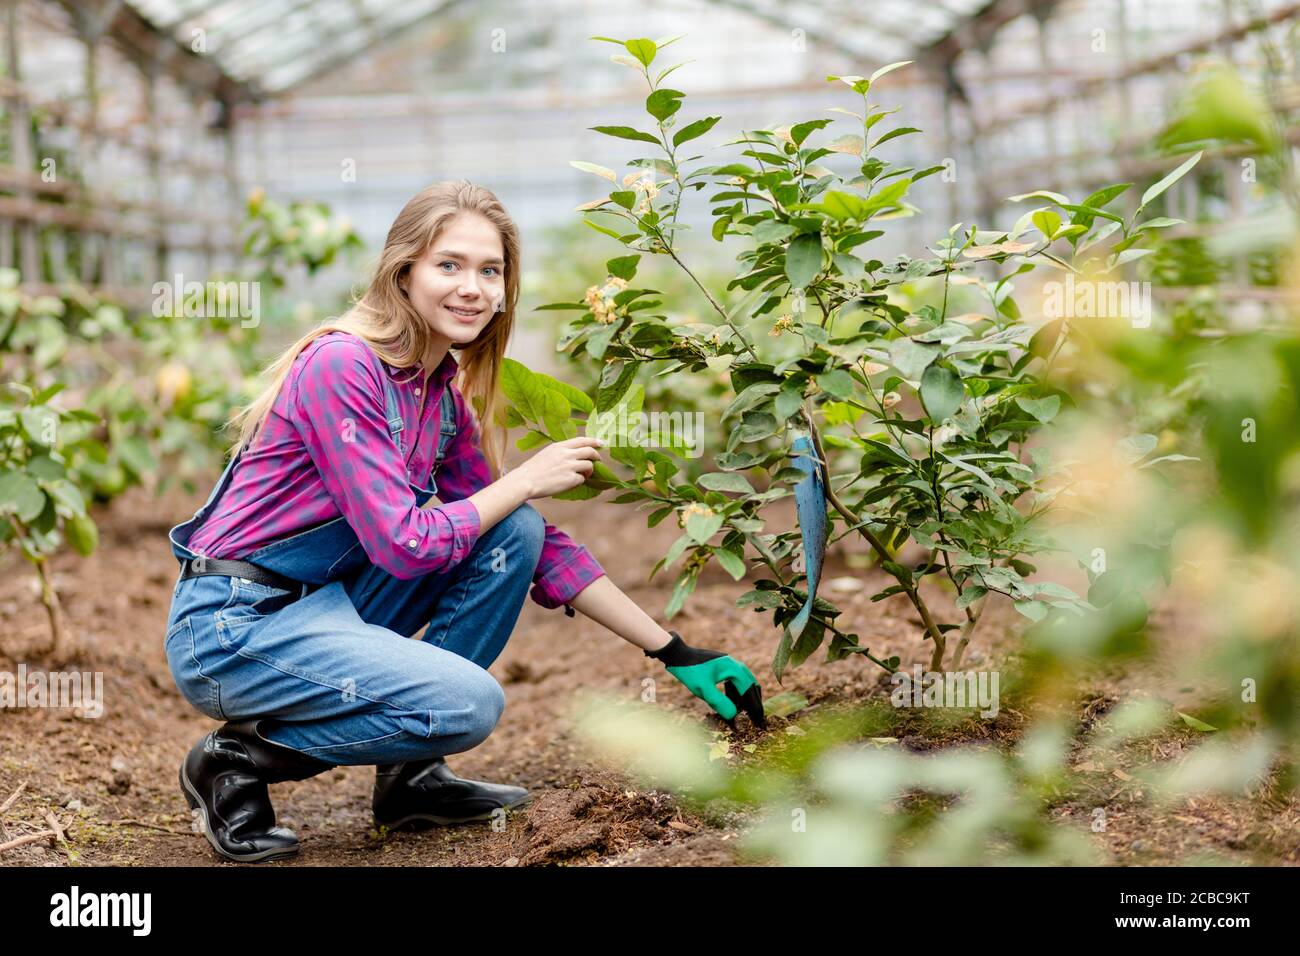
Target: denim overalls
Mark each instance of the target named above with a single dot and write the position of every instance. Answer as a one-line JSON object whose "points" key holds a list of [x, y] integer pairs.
{"points": [[335, 668]]}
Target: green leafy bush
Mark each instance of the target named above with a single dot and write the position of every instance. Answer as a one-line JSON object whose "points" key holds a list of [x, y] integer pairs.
{"points": [[921, 422]]}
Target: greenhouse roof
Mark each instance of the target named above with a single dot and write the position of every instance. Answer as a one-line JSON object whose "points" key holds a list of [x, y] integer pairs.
{"points": [[272, 46]]}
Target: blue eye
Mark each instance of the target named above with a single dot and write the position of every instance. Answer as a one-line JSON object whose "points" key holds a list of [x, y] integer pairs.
{"points": [[494, 270]]}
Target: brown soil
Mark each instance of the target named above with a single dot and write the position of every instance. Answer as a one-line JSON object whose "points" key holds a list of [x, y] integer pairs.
{"points": [[110, 782]]}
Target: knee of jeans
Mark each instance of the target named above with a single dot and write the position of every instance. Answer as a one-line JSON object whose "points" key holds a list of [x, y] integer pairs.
{"points": [[525, 529], [487, 702], [471, 722]]}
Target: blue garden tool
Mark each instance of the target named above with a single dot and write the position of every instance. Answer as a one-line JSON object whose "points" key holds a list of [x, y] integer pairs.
{"points": [[810, 508]]}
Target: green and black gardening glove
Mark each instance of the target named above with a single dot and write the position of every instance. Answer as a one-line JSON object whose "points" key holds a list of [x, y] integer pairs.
{"points": [[701, 671]]}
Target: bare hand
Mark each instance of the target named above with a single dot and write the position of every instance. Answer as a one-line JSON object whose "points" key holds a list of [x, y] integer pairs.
{"points": [[560, 466]]}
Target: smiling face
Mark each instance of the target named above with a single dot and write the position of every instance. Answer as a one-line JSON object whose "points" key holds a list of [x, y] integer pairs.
{"points": [[458, 285]]}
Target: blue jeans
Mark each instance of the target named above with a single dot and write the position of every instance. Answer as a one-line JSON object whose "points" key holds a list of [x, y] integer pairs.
{"points": [[336, 669]]}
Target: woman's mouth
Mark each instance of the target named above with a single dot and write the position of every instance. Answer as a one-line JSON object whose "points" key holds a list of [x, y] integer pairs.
{"points": [[464, 315]]}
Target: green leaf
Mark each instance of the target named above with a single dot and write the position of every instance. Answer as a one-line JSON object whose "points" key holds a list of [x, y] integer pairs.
{"points": [[788, 402], [809, 640], [20, 495], [681, 591], [1034, 610], [40, 423], [643, 49], [1106, 588], [577, 493], [1105, 195], [1044, 409], [531, 440], [902, 572], [1047, 222], [1159, 222], [977, 472], [694, 130], [911, 358], [726, 481], [770, 230], [1044, 340], [1134, 448], [941, 392], [627, 132], [600, 171], [889, 68], [536, 396], [783, 705], [799, 131], [752, 395], [68, 495], [576, 397], [663, 103], [1169, 180], [45, 468], [755, 426], [1195, 724], [563, 306], [135, 455], [764, 599], [891, 195], [731, 562], [701, 527], [894, 134], [851, 267], [624, 267], [45, 394], [599, 340], [1041, 194], [803, 259], [841, 205], [837, 382], [782, 655], [615, 379]]}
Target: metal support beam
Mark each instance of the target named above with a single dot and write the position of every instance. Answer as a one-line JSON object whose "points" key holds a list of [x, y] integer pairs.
{"points": [[146, 44], [20, 140]]}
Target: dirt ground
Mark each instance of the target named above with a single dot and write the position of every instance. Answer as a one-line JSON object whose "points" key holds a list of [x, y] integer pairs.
{"points": [[110, 782]]}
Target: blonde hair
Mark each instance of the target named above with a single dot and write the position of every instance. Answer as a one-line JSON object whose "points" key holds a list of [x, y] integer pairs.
{"points": [[384, 318]]}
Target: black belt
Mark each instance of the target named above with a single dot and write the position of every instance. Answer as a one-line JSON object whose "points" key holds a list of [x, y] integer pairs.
{"points": [[193, 567]]}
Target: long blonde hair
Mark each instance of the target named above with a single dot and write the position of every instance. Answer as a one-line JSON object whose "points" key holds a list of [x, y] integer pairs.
{"points": [[385, 319]]}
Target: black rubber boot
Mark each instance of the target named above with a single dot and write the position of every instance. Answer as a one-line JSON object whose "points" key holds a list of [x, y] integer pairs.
{"points": [[422, 793], [224, 780]]}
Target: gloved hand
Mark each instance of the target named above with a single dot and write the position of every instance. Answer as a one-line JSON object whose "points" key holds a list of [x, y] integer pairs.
{"points": [[701, 671]]}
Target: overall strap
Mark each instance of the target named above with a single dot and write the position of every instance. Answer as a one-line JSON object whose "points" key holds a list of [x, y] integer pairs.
{"points": [[446, 425], [392, 411], [179, 535], [219, 488], [446, 432]]}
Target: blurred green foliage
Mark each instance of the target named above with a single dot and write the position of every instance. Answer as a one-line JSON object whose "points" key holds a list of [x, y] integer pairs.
{"points": [[1176, 486]]}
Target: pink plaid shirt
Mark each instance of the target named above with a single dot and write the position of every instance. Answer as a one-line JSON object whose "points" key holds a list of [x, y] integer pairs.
{"points": [[325, 450]]}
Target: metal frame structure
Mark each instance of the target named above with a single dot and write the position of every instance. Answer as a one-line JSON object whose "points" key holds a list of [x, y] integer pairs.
{"points": [[233, 59]]}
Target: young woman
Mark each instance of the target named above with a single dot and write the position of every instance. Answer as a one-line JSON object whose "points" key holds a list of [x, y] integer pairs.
{"points": [[318, 554]]}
